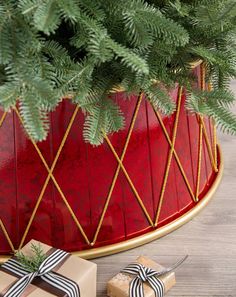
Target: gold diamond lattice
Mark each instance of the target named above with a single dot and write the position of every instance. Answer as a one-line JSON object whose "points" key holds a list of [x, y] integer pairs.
{"points": [[194, 193]]}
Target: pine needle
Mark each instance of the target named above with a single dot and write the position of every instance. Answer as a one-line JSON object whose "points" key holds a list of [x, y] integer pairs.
{"points": [[32, 263]]}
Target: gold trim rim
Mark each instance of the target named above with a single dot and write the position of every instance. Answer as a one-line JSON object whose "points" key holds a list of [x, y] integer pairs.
{"points": [[150, 236]]}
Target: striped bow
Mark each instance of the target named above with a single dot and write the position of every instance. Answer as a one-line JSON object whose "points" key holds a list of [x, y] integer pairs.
{"points": [[69, 287], [146, 274]]}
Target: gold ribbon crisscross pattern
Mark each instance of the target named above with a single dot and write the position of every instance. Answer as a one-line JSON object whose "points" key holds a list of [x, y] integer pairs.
{"points": [[120, 166]]}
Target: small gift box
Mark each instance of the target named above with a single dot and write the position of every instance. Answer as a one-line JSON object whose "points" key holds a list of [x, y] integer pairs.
{"points": [[59, 274], [144, 278]]}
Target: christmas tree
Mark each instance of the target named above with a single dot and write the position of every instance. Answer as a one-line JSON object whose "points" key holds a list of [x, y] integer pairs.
{"points": [[83, 49]]}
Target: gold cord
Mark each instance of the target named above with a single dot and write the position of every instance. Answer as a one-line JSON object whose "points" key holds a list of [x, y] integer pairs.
{"points": [[129, 181], [210, 87], [4, 230], [50, 175], [3, 118], [203, 87], [199, 158], [175, 155], [209, 149], [171, 151], [121, 166], [215, 145]]}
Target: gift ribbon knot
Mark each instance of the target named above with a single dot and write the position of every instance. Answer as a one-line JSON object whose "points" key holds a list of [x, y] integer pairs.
{"points": [[145, 274], [69, 287]]}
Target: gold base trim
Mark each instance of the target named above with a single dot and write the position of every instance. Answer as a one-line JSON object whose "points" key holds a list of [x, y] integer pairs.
{"points": [[140, 240]]}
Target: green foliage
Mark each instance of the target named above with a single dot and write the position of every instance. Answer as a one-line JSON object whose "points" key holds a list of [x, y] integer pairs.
{"points": [[50, 49], [8, 95], [215, 104], [104, 117], [160, 98], [144, 23], [35, 119], [32, 263]]}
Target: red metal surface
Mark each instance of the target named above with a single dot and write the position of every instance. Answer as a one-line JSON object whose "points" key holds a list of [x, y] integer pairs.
{"points": [[85, 173]]}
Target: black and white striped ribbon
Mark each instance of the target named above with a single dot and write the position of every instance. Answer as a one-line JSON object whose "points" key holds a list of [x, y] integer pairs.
{"points": [[69, 287], [146, 274]]}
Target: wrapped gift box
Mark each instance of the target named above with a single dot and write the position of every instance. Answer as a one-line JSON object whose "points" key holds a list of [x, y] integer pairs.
{"points": [[118, 286], [78, 270]]}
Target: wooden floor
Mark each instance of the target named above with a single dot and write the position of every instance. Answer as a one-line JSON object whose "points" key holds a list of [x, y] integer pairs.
{"points": [[209, 240]]}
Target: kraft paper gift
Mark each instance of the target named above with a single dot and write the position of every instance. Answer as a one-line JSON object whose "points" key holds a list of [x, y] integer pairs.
{"points": [[119, 285], [78, 270]]}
